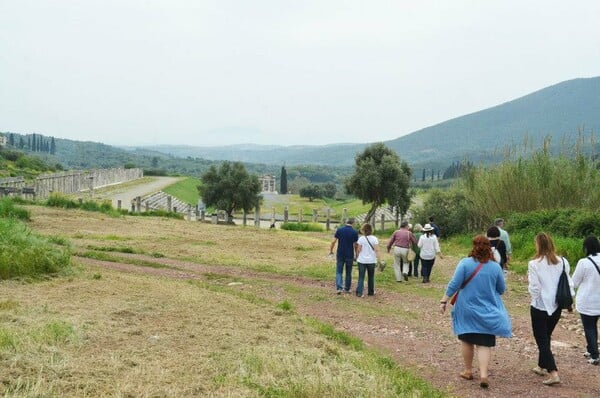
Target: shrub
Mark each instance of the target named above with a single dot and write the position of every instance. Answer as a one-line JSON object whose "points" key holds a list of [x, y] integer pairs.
{"points": [[8, 210], [25, 254], [303, 227]]}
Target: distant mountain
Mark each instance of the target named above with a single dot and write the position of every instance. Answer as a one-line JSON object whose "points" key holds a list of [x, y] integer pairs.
{"points": [[560, 111]]}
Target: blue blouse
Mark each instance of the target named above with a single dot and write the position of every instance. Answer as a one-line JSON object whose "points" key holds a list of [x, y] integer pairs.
{"points": [[479, 307]]}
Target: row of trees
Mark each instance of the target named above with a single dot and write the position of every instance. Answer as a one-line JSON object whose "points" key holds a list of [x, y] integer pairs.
{"points": [[380, 176], [33, 143]]}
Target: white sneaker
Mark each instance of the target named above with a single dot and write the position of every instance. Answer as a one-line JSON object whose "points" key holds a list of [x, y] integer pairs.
{"points": [[587, 354], [594, 361]]}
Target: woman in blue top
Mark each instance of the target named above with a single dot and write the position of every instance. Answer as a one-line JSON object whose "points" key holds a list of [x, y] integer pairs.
{"points": [[478, 315]]}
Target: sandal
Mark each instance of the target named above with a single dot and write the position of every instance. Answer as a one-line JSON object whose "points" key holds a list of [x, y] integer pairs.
{"points": [[466, 375]]}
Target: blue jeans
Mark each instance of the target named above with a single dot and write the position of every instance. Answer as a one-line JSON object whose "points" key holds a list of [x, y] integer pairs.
{"points": [[370, 269], [339, 270], [590, 327]]}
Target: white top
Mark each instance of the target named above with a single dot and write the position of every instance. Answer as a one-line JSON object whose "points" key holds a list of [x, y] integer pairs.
{"points": [[429, 246], [366, 255], [587, 282], [543, 283]]}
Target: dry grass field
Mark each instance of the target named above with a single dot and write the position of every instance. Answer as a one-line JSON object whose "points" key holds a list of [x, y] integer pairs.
{"points": [[181, 328], [160, 307]]}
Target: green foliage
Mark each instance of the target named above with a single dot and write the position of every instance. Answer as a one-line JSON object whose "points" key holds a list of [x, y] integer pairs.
{"points": [[563, 222], [64, 202], [8, 210], [449, 209], [303, 227], [311, 192], [539, 182], [25, 254], [380, 176], [230, 188]]}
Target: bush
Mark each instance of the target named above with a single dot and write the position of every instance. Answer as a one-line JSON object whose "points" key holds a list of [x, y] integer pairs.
{"points": [[8, 210], [25, 254], [302, 227]]}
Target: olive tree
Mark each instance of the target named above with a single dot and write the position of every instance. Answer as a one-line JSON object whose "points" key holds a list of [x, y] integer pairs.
{"points": [[230, 188], [380, 177]]}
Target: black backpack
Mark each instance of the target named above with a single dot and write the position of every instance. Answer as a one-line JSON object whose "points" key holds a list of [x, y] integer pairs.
{"points": [[563, 292]]}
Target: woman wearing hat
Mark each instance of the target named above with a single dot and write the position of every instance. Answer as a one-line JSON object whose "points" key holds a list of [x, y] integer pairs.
{"points": [[429, 247]]}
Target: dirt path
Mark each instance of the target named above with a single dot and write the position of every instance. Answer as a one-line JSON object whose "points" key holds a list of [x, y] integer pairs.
{"points": [[423, 343]]}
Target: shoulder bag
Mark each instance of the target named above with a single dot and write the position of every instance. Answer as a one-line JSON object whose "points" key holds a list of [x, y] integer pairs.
{"points": [[595, 265], [564, 299], [465, 283]]}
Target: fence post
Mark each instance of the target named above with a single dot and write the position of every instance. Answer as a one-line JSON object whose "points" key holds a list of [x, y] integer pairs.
{"points": [[169, 202], [189, 213], [147, 206], [244, 218], [344, 215], [273, 215], [202, 215], [119, 204], [300, 216], [286, 214], [382, 221], [257, 217], [327, 223], [138, 204], [315, 215]]}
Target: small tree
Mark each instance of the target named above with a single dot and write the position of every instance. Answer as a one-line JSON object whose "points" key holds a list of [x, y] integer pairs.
{"points": [[283, 183], [329, 190], [311, 192], [380, 176], [230, 188]]}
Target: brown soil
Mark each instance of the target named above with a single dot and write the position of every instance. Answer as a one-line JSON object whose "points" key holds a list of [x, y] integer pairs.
{"points": [[425, 344]]}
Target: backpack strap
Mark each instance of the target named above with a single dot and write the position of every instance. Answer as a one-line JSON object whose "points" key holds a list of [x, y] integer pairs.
{"points": [[593, 262]]}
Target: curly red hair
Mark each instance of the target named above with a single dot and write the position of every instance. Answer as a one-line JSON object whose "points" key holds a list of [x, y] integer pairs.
{"points": [[482, 250]]}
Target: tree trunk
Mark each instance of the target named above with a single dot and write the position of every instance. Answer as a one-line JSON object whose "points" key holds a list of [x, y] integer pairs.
{"points": [[371, 213]]}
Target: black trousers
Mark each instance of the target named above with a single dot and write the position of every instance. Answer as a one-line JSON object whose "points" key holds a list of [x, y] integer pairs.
{"points": [[543, 325]]}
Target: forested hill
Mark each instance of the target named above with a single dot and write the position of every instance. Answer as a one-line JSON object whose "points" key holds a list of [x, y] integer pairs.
{"points": [[559, 111]]}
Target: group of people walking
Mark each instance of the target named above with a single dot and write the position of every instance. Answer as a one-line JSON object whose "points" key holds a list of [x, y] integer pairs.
{"points": [[478, 314], [423, 244]]}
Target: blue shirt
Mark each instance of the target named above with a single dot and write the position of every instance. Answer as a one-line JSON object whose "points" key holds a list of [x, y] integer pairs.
{"points": [[479, 307], [346, 237]]}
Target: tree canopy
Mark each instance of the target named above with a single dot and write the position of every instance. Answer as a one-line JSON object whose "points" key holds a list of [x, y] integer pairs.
{"points": [[230, 188], [380, 177]]}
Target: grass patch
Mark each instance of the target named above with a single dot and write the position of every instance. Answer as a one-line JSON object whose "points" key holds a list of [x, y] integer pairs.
{"points": [[26, 254], [304, 227], [185, 190], [9, 210]]}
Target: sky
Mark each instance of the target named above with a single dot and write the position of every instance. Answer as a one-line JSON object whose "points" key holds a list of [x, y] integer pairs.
{"points": [[278, 72]]}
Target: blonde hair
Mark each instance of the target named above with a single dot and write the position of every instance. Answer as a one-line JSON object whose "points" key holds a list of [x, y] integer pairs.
{"points": [[544, 247]]}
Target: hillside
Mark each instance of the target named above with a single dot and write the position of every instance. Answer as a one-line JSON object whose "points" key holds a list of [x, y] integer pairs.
{"points": [[561, 111]]}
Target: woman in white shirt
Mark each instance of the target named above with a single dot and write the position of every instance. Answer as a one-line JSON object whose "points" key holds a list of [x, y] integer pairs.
{"points": [[368, 253], [586, 279], [429, 247], [543, 273]]}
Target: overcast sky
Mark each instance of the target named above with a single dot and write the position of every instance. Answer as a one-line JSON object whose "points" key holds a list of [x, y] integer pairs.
{"points": [[200, 72]]}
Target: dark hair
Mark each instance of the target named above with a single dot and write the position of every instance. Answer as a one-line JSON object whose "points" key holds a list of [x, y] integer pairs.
{"points": [[482, 250], [544, 246], [367, 229], [591, 245], [493, 232], [404, 224], [431, 218]]}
